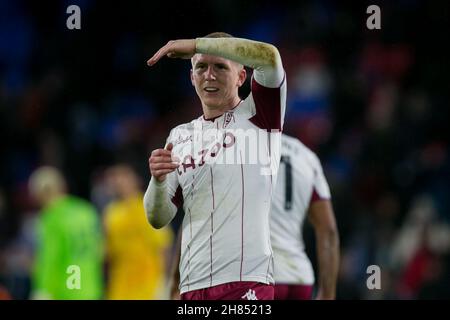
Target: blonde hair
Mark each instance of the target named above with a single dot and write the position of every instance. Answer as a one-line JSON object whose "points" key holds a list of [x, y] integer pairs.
{"points": [[46, 181], [218, 35]]}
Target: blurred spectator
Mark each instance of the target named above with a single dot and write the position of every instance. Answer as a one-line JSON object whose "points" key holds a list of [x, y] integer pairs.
{"points": [[136, 252], [69, 235], [421, 245], [4, 294]]}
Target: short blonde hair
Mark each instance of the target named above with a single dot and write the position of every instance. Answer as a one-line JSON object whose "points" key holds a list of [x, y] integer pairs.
{"points": [[218, 35], [46, 180]]}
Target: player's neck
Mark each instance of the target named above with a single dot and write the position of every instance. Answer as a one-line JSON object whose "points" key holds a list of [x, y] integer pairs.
{"points": [[210, 113], [130, 193], [52, 197]]}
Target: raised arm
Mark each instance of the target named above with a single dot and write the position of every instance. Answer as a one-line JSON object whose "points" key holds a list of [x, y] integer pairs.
{"points": [[264, 58]]}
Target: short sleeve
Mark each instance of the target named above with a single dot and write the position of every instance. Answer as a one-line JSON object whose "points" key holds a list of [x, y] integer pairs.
{"points": [[269, 105], [321, 189]]}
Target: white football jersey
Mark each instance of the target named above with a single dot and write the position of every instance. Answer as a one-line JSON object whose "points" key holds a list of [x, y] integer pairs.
{"points": [[300, 182], [224, 184]]}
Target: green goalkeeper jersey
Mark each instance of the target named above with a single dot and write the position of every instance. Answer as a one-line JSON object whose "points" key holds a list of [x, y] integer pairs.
{"points": [[68, 262]]}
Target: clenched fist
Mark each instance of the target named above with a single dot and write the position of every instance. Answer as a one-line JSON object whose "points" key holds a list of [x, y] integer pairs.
{"points": [[161, 162]]}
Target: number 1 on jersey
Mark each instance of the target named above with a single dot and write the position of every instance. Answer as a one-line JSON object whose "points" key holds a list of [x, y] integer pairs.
{"points": [[288, 178]]}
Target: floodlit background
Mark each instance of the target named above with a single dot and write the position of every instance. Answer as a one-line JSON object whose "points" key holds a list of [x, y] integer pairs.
{"points": [[373, 104]]}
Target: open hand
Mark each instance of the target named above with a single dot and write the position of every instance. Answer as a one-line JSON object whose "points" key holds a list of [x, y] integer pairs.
{"points": [[183, 49]]}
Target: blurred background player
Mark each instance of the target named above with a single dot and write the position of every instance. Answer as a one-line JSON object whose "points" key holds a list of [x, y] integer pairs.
{"points": [[136, 253], [302, 191], [69, 234], [225, 250]]}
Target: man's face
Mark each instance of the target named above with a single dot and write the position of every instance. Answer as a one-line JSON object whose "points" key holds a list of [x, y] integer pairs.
{"points": [[122, 181], [216, 80]]}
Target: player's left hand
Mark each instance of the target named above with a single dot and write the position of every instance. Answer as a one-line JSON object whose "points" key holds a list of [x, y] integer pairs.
{"points": [[183, 49]]}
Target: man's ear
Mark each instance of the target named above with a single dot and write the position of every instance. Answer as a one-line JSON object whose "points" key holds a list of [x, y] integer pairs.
{"points": [[242, 77]]}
